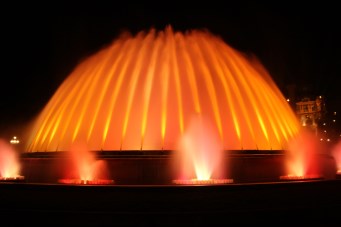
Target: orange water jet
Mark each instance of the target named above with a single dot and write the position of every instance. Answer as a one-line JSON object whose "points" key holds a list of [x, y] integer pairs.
{"points": [[140, 92]]}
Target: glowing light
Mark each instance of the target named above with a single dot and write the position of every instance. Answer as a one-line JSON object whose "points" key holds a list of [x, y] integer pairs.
{"points": [[203, 182], [14, 140], [16, 178], [288, 100], [305, 177], [140, 93], [92, 182]]}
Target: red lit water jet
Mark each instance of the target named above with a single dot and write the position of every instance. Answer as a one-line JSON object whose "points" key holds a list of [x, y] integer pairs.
{"points": [[302, 158], [200, 155], [336, 153], [9, 163], [86, 169]]}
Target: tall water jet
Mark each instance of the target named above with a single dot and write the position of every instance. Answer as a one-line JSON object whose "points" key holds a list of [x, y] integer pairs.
{"points": [[200, 157], [9, 163], [84, 168], [140, 93]]}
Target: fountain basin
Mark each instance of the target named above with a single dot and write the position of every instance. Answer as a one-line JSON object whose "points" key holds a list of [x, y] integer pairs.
{"points": [[155, 167]]}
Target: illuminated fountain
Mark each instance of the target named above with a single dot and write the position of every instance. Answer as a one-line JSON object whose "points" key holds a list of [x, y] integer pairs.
{"points": [[86, 169], [9, 163], [302, 158], [141, 92]]}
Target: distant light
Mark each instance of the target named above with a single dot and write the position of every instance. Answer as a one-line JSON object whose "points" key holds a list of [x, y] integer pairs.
{"points": [[324, 123], [328, 140], [334, 120], [288, 100], [14, 140], [320, 97], [322, 139], [334, 113], [325, 131]]}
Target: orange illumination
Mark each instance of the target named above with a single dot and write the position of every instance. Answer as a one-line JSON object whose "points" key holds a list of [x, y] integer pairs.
{"points": [[9, 161], [141, 92]]}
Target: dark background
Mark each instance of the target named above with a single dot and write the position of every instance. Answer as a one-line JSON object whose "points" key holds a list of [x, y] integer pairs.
{"points": [[298, 43]]}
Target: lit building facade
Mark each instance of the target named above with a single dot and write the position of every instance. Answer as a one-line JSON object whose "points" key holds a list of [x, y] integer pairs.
{"points": [[310, 112]]}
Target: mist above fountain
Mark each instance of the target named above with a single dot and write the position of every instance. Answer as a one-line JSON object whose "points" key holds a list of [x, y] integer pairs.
{"points": [[84, 168], [9, 163], [140, 93], [200, 157], [302, 157]]}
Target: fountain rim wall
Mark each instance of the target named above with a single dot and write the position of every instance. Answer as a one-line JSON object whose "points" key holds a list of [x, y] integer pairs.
{"points": [[144, 153]]}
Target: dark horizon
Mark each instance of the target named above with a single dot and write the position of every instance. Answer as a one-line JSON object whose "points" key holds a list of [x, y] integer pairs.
{"points": [[296, 44]]}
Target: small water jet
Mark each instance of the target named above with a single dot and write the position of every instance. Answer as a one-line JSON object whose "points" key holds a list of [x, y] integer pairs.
{"points": [[200, 157], [336, 153], [85, 169], [302, 158], [9, 163]]}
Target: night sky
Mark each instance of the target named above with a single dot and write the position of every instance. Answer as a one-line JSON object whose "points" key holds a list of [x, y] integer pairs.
{"points": [[297, 44]]}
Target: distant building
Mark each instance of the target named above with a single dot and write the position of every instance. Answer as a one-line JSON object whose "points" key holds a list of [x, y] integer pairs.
{"points": [[315, 112], [310, 112]]}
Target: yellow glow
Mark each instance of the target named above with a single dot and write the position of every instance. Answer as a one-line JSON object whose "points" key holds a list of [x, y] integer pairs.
{"points": [[127, 51], [191, 76], [148, 87], [134, 80], [113, 51]]}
